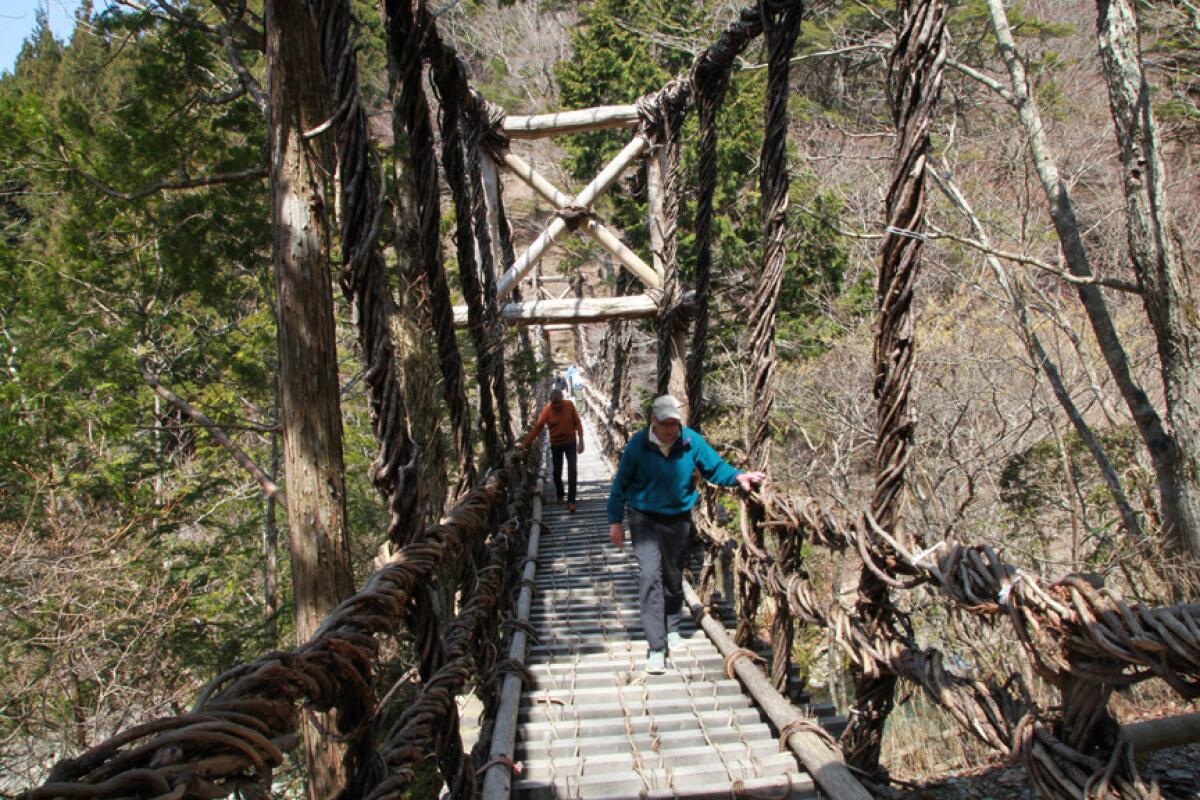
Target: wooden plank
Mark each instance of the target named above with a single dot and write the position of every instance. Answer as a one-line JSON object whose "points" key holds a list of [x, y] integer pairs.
{"points": [[583, 119], [822, 763]]}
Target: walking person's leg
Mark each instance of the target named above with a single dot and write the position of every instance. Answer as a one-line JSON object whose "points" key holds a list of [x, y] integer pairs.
{"points": [[648, 552], [676, 541], [572, 473], [556, 459]]}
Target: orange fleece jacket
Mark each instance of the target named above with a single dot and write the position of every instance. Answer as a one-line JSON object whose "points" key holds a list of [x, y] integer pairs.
{"points": [[564, 424]]}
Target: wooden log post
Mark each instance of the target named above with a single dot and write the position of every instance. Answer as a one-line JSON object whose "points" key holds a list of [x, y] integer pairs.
{"points": [[822, 761], [310, 411]]}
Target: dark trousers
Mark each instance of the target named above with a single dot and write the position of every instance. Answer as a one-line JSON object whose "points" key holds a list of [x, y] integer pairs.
{"points": [[557, 451], [661, 550]]}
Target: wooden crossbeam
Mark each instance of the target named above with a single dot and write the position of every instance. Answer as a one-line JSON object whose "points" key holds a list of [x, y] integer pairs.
{"points": [[573, 310], [584, 119]]}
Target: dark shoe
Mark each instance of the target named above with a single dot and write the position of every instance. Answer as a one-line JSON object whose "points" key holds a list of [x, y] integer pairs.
{"points": [[571, 507]]}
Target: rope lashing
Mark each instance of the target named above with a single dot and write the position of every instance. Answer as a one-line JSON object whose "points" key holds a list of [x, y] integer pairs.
{"points": [[574, 216], [515, 767], [511, 666], [805, 725], [737, 655]]}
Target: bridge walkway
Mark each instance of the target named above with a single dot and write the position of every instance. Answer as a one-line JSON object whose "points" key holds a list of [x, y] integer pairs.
{"points": [[595, 725]]}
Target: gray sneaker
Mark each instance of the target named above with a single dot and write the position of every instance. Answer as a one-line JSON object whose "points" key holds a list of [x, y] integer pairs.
{"points": [[675, 641], [656, 662]]}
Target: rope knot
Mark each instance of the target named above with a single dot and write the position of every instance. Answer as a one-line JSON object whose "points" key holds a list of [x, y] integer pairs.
{"points": [[574, 216]]}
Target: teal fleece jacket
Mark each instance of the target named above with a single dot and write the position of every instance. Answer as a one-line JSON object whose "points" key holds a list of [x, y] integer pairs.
{"points": [[648, 481]]}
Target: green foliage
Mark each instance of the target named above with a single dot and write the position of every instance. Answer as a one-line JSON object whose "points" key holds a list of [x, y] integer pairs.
{"points": [[159, 529], [626, 49]]}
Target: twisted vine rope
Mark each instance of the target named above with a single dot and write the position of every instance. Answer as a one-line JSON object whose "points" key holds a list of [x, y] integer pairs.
{"points": [[709, 82], [405, 36], [662, 116], [483, 123], [425, 727], [1072, 632], [914, 86], [451, 83], [246, 718], [394, 471], [781, 24]]}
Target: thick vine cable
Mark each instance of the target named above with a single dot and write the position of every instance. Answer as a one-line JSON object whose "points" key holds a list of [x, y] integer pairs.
{"points": [[450, 80], [914, 86], [246, 718], [709, 82], [395, 470], [405, 37]]}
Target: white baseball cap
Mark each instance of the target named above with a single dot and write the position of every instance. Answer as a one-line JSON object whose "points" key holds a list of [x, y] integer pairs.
{"points": [[667, 407]]}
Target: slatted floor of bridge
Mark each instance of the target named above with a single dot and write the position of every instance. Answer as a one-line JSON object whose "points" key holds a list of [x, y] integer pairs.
{"points": [[594, 724]]}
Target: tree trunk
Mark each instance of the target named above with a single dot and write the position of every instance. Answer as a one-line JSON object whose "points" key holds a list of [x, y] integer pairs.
{"points": [[270, 545], [308, 380], [1165, 292], [1168, 469]]}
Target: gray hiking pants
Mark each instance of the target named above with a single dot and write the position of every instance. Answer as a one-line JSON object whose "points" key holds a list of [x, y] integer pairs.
{"points": [[661, 549]]}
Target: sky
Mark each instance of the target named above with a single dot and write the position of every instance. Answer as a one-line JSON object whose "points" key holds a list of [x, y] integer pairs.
{"points": [[16, 23]]}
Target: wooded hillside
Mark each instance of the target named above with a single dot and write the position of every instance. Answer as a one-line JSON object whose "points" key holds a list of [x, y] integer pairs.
{"points": [[1057, 393]]}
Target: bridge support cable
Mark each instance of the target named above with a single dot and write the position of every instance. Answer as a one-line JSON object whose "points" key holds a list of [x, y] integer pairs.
{"points": [[395, 471], [429, 724], [662, 115], [915, 71], [246, 718], [405, 37], [709, 82], [498, 219], [450, 81], [1073, 633], [781, 26], [483, 137]]}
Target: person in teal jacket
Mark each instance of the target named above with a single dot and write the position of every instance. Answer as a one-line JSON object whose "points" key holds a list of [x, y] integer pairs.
{"points": [[655, 484]]}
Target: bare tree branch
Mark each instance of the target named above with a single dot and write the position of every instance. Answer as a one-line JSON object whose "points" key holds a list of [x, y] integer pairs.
{"points": [[269, 486], [254, 173], [1019, 258]]}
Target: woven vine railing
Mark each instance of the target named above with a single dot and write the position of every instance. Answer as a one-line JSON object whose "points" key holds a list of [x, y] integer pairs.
{"points": [[246, 719], [1083, 639]]}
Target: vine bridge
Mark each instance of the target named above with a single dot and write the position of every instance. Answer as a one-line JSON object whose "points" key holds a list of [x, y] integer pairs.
{"points": [[541, 629]]}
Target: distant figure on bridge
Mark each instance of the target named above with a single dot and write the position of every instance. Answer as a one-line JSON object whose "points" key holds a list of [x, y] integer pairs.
{"points": [[565, 427], [654, 482], [572, 374], [558, 383]]}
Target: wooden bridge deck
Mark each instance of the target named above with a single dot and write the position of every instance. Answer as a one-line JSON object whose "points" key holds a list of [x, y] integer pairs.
{"points": [[594, 725]]}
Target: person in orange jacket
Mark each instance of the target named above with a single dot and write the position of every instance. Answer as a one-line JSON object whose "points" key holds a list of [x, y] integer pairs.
{"points": [[562, 420]]}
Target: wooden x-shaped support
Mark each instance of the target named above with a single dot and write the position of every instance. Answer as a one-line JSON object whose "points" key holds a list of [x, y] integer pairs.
{"points": [[559, 226]]}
